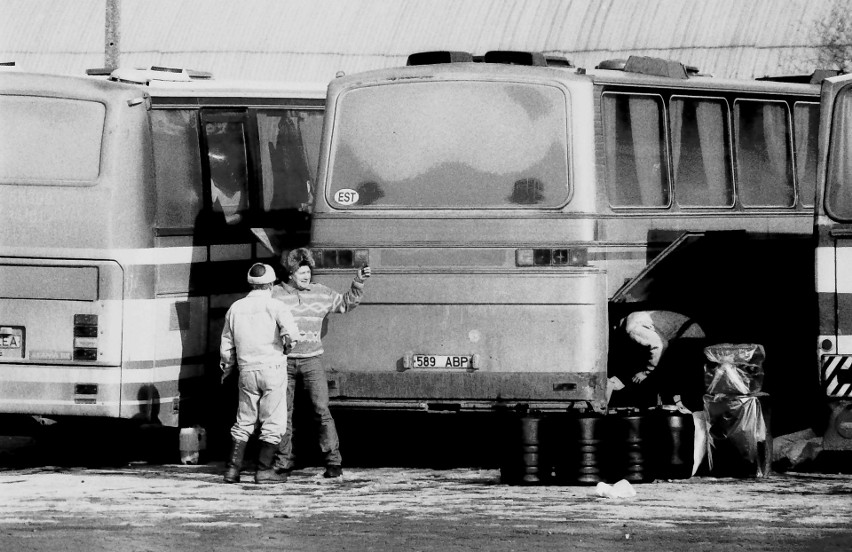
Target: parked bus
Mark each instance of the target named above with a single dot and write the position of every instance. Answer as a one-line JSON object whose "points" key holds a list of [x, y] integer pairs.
{"points": [[132, 207], [514, 207], [834, 260]]}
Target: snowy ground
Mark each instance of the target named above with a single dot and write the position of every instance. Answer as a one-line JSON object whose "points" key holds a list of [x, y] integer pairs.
{"points": [[145, 507]]}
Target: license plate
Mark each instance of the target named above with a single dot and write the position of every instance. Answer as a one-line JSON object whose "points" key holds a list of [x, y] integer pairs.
{"points": [[440, 361], [12, 341]]}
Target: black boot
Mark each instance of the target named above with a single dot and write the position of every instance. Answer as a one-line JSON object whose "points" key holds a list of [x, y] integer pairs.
{"points": [[235, 461], [265, 472]]}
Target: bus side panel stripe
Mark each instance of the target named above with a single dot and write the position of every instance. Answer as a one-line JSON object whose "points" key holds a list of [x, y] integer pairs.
{"points": [[844, 313], [844, 266], [826, 305], [825, 262]]}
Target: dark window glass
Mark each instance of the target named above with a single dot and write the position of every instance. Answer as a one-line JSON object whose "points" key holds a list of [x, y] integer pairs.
{"points": [[806, 127], [701, 154], [764, 159], [838, 194], [289, 148], [227, 159], [634, 141]]}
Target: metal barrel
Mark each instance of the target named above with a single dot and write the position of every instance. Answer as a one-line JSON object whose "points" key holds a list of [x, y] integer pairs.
{"points": [[626, 448], [521, 462], [674, 434], [576, 442], [531, 450]]}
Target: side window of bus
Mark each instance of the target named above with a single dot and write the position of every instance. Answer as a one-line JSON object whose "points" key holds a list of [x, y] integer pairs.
{"points": [[764, 157], [838, 185], [289, 155], [227, 159], [634, 143], [178, 168], [701, 153], [806, 134]]}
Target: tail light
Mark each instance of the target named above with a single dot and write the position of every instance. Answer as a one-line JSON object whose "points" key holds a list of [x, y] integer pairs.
{"points": [[570, 256], [86, 337], [85, 393]]}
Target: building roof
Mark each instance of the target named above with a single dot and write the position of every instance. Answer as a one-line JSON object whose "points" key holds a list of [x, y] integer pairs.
{"points": [[312, 40]]}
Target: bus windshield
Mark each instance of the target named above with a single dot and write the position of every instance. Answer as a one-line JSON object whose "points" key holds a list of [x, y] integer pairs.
{"points": [[838, 194], [455, 145]]}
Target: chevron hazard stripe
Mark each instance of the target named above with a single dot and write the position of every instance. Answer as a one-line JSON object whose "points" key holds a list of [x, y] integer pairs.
{"points": [[837, 375]]}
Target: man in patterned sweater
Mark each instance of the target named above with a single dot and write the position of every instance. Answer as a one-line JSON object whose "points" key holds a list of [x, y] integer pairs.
{"points": [[310, 304]]}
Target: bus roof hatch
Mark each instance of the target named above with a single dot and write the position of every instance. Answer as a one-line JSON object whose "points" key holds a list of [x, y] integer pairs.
{"points": [[154, 73]]}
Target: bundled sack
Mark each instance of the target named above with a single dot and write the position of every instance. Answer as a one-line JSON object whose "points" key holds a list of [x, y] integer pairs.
{"points": [[736, 420], [733, 369]]}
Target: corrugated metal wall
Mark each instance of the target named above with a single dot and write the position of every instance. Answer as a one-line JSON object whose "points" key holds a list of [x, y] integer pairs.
{"points": [[311, 40]]}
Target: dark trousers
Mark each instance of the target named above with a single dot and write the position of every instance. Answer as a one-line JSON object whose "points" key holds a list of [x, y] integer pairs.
{"points": [[310, 372]]}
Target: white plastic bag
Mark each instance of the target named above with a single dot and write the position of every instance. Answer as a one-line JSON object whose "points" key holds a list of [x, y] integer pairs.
{"points": [[622, 489]]}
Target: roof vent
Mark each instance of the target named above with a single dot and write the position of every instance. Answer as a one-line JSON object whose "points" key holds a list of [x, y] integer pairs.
{"points": [[650, 66], [515, 58], [153, 74], [558, 61], [438, 56], [814, 78], [655, 66], [612, 64]]}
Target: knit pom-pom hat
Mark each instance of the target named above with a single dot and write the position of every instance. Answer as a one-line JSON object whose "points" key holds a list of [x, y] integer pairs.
{"points": [[260, 274]]}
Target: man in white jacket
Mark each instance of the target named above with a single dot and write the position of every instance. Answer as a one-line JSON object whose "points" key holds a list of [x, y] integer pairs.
{"points": [[257, 335]]}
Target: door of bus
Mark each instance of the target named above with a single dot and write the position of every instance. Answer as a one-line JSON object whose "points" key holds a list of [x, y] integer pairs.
{"points": [[224, 230]]}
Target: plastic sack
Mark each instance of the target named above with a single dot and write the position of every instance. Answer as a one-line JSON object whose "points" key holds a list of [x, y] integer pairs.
{"points": [[795, 449], [733, 369], [737, 420], [699, 443], [622, 489]]}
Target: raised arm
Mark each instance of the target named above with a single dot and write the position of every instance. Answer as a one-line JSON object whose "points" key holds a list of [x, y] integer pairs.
{"points": [[345, 302]]}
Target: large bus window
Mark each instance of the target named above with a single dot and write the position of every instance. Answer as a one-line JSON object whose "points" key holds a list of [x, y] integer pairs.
{"points": [[227, 157], [66, 151], [764, 160], [634, 141], [806, 128], [454, 146], [701, 158], [838, 194], [176, 157], [289, 150]]}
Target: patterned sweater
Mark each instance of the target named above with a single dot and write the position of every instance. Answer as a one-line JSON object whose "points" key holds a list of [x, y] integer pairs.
{"points": [[310, 307]]}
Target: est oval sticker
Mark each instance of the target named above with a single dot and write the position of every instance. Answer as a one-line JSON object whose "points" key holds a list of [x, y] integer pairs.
{"points": [[346, 196]]}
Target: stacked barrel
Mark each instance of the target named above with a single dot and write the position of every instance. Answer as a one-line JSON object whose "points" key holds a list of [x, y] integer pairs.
{"points": [[587, 447]]}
